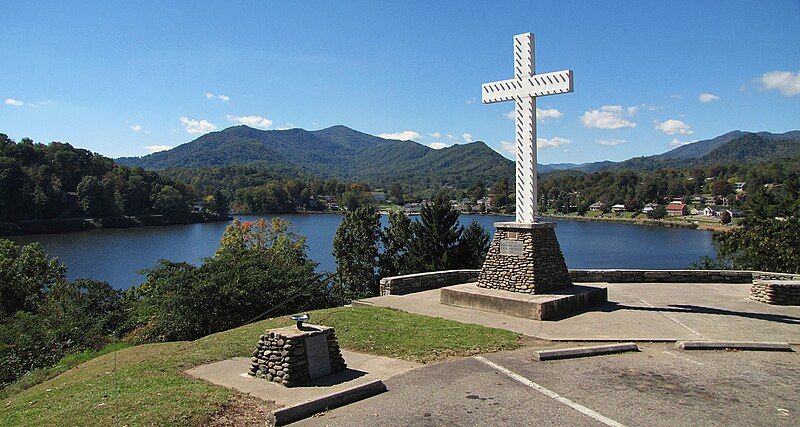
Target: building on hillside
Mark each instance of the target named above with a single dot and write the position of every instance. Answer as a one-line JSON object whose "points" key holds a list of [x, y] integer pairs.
{"points": [[378, 196], [597, 206], [677, 209], [712, 210], [618, 208], [739, 186], [650, 207], [699, 200], [412, 208]]}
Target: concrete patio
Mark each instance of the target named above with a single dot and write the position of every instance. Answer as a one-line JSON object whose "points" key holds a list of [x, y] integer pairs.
{"points": [[635, 312]]}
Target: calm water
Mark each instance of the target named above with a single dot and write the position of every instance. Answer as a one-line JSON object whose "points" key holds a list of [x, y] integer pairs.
{"points": [[116, 256]]}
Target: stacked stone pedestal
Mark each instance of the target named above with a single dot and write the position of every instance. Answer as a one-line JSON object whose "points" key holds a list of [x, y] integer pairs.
{"points": [[525, 275], [292, 357], [525, 258]]}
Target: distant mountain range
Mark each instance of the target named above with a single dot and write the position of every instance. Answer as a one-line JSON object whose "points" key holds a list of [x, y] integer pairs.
{"points": [[341, 152]]}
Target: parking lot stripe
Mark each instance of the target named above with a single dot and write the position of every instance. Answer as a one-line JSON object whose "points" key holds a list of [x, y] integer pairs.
{"points": [[549, 393]]}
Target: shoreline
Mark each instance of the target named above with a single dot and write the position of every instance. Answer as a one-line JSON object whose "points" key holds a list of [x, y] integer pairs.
{"points": [[73, 225], [645, 222]]}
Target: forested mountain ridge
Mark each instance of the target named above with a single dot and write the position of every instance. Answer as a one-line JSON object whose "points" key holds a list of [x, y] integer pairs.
{"points": [[335, 152], [343, 153]]}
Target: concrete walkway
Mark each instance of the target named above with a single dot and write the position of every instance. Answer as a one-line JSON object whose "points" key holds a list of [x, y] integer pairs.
{"points": [[636, 312], [361, 369]]}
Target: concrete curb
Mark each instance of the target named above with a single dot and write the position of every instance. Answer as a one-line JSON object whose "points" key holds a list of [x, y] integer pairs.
{"points": [[733, 345], [304, 410], [597, 350]]}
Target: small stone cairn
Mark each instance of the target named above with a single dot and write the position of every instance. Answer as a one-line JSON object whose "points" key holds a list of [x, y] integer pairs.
{"points": [[280, 355]]}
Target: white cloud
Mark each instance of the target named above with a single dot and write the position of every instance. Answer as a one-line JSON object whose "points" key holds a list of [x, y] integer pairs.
{"points": [[287, 126], [632, 110], [222, 97], [672, 126], [608, 117], [157, 148], [675, 96], [471, 100], [677, 143], [610, 142], [508, 147], [554, 142], [252, 121], [467, 137], [14, 102], [450, 136], [406, 135], [787, 82], [708, 97], [435, 134], [541, 115], [136, 127], [438, 145], [196, 127]]}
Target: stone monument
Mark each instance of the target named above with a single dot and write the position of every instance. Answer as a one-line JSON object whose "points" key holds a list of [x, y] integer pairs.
{"points": [[524, 256], [295, 355]]}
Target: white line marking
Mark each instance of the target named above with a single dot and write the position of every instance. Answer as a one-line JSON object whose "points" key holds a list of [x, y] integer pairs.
{"points": [[665, 315], [683, 357], [549, 393]]}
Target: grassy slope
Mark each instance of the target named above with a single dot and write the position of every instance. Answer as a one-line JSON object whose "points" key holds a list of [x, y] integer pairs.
{"points": [[144, 385]]}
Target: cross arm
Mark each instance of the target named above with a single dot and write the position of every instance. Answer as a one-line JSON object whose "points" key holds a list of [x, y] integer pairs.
{"points": [[536, 85]]}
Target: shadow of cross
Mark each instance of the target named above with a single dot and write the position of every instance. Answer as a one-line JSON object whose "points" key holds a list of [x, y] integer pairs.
{"points": [[523, 89]]}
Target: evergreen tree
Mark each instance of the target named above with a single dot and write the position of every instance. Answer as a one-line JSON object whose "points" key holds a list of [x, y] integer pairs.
{"points": [[396, 240], [355, 247], [436, 237], [472, 247]]}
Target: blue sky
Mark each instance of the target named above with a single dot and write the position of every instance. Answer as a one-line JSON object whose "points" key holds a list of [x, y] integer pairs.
{"points": [[129, 78]]}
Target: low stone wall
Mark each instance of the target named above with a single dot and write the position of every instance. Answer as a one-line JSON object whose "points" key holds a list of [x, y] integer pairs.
{"points": [[410, 283], [776, 292], [280, 355]]}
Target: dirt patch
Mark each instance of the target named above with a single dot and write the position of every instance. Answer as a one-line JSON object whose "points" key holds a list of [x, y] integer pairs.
{"points": [[243, 410]]}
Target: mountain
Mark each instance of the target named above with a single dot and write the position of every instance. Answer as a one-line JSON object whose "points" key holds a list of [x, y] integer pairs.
{"points": [[344, 153], [334, 152]]}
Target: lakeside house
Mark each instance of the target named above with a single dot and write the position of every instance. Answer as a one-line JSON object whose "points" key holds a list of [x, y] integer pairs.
{"points": [[597, 206], [618, 208], [650, 207], [677, 209], [716, 210]]}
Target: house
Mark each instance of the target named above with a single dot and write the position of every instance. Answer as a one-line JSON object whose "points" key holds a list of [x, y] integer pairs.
{"points": [[650, 207], [676, 209], [739, 186], [412, 208], [597, 206], [713, 210], [618, 208]]}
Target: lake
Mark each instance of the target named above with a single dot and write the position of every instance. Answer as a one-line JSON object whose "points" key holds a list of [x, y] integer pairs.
{"points": [[117, 255]]}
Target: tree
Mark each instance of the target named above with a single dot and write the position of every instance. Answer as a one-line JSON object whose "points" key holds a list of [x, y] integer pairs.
{"points": [[355, 247], [725, 217], [762, 244], [25, 275], [436, 237], [396, 240], [501, 190], [91, 196], [472, 247], [170, 201], [396, 194], [659, 212], [260, 268]]}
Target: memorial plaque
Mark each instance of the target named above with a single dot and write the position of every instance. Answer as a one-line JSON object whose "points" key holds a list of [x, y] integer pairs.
{"points": [[317, 356], [510, 247]]}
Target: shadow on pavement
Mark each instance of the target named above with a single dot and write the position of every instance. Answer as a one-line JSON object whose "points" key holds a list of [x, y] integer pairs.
{"points": [[687, 308]]}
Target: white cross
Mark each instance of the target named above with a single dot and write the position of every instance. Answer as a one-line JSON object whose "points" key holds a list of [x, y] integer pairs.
{"points": [[523, 89]]}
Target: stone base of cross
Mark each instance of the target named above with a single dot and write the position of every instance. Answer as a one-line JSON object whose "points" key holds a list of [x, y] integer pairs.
{"points": [[524, 255]]}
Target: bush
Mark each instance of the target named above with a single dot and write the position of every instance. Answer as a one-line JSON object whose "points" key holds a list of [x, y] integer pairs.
{"points": [[260, 268]]}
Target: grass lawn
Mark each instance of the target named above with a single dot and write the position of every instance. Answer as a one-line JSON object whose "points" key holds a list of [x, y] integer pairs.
{"points": [[592, 214], [144, 385]]}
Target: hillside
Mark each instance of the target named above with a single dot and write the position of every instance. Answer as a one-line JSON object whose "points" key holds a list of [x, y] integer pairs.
{"points": [[334, 152]]}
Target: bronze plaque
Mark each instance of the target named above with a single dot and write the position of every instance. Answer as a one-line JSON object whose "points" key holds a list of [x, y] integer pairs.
{"points": [[510, 247]]}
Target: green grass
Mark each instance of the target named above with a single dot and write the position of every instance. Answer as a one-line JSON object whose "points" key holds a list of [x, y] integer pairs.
{"points": [[593, 214], [144, 385], [66, 363]]}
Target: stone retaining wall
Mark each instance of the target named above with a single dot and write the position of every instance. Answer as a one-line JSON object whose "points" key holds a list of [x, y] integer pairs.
{"points": [[399, 285], [776, 292], [410, 283]]}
